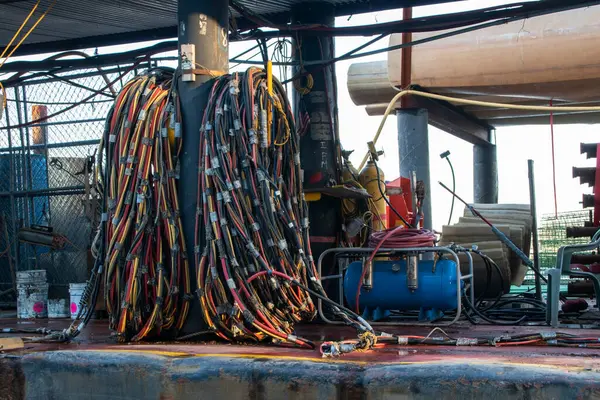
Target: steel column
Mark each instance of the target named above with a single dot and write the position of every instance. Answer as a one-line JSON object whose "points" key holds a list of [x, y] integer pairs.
{"points": [[319, 145], [413, 145], [205, 25], [485, 174]]}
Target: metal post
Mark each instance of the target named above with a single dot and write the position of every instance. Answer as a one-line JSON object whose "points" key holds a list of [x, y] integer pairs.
{"points": [[485, 173], [413, 145], [203, 24], [21, 182], [13, 205], [319, 146], [534, 228]]}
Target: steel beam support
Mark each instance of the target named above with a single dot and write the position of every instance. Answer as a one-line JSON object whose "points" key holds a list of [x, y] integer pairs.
{"points": [[413, 147], [205, 25], [318, 147], [485, 173]]}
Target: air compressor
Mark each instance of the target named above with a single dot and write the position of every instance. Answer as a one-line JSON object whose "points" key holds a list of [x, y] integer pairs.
{"points": [[409, 284]]}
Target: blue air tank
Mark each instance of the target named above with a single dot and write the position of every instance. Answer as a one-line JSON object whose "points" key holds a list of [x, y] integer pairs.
{"points": [[437, 287]]}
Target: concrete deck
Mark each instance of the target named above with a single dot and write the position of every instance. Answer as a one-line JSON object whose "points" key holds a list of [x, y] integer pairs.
{"points": [[96, 367]]}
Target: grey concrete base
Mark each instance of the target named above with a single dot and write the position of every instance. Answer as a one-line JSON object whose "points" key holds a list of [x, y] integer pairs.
{"points": [[67, 375]]}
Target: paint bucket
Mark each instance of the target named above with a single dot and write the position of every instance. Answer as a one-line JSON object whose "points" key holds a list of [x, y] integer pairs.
{"points": [[76, 291], [32, 294], [31, 277], [58, 308]]}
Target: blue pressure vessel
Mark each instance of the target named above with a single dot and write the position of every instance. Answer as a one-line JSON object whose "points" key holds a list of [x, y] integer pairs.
{"points": [[437, 287]]}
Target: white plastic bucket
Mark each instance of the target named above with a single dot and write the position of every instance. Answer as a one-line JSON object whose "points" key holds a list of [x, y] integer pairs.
{"points": [[32, 300], [31, 277], [58, 308], [32, 294], [76, 291]]}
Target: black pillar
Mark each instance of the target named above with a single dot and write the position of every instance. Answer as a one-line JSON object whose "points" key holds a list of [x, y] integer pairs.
{"points": [[413, 149], [485, 174], [318, 146], [203, 24]]}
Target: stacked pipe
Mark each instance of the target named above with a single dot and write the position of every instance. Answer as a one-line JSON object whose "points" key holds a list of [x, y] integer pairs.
{"points": [[515, 221], [147, 287]]}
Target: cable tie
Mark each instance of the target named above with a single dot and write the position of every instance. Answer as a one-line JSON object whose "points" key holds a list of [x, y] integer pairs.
{"points": [[466, 342], [171, 173], [282, 244], [142, 115], [292, 338], [112, 138], [402, 340], [208, 126], [234, 262], [214, 162], [172, 120], [255, 227], [234, 232], [164, 132], [128, 171], [132, 159], [127, 124], [123, 160], [253, 140], [257, 202], [305, 223], [270, 242], [143, 269], [219, 196], [231, 132], [231, 284], [226, 197], [237, 124], [104, 217], [295, 200], [225, 107], [300, 251], [311, 258], [224, 148], [140, 198], [128, 197], [218, 110], [200, 292], [111, 203], [198, 210], [159, 301], [245, 163], [214, 272], [248, 316], [277, 193], [548, 335], [237, 184], [115, 220], [297, 158], [173, 290], [291, 225], [208, 171], [151, 282], [229, 185], [552, 342], [147, 141], [223, 221], [100, 269], [260, 175], [178, 129]]}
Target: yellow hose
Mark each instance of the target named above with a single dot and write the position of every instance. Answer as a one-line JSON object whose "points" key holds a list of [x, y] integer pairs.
{"points": [[509, 106]]}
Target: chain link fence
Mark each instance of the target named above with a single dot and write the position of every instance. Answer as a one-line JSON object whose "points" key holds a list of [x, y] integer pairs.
{"points": [[49, 137]]}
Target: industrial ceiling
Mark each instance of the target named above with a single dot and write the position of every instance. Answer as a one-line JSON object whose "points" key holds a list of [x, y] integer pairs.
{"points": [[74, 24]]}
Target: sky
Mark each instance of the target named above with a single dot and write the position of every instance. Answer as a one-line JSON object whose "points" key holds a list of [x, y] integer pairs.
{"points": [[515, 144]]}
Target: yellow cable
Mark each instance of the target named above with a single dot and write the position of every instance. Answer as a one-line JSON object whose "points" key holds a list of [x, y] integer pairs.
{"points": [[397, 97], [20, 28], [28, 32]]}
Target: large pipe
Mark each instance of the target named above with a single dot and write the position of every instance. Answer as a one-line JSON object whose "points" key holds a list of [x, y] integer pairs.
{"points": [[413, 148], [204, 25], [485, 174]]}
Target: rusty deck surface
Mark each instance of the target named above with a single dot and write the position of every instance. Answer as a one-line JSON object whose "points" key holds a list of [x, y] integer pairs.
{"points": [[187, 369]]}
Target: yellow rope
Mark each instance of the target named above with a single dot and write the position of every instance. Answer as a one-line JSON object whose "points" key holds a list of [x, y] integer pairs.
{"points": [[509, 106]]}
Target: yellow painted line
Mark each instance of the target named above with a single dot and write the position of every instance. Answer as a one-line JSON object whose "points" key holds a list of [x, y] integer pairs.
{"points": [[334, 360]]}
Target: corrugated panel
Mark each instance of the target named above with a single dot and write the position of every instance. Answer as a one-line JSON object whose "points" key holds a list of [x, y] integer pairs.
{"points": [[75, 19]]}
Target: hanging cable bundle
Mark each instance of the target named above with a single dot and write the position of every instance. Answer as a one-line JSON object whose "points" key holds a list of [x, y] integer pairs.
{"points": [[147, 286], [255, 264]]}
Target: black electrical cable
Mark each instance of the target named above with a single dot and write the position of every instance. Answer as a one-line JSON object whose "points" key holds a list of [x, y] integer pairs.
{"points": [[446, 155], [489, 320]]}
